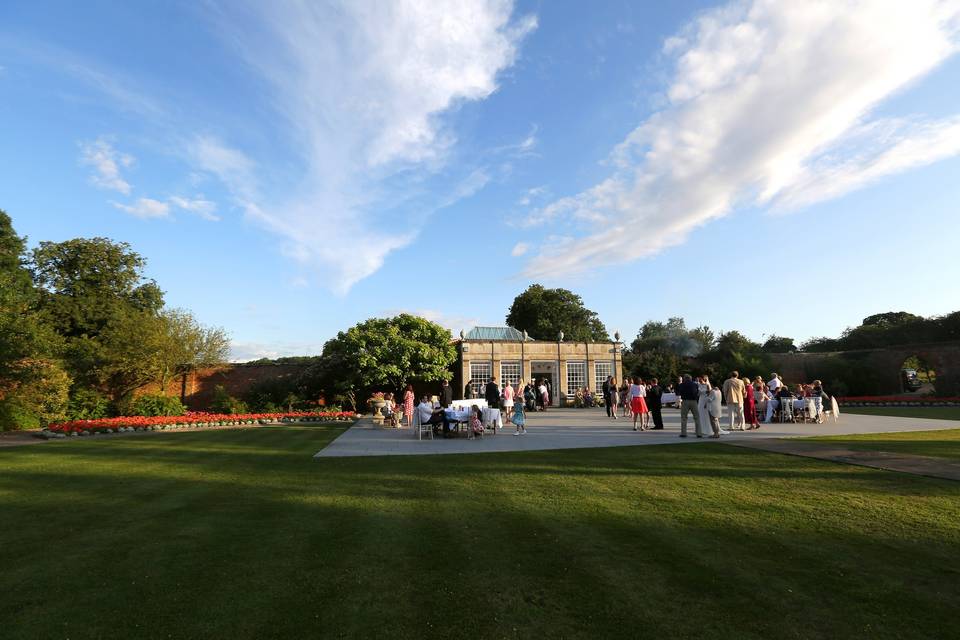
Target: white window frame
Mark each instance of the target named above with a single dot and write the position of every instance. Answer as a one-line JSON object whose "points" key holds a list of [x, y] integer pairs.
{"points": [[600, 376], [479, 383], [578, 382], [511, 371]]}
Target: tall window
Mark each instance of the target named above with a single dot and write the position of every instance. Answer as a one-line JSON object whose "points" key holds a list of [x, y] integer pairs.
{"points": [[480, 373], [509, 373], [602, 371], [576, 376]]}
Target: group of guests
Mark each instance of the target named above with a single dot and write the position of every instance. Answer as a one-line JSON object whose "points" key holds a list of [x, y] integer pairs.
{"points": [[636, 397], [533, 396], [745, 401]]}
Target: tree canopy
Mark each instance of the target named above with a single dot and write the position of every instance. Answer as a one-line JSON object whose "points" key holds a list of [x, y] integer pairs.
{"points": [[544, 313], [383, 352]]}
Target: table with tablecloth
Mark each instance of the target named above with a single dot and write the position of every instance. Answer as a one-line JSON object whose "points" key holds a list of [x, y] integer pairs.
{"points": [[669, 398]]}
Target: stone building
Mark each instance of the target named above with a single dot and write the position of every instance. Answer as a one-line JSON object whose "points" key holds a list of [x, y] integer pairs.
{"points": [[510, 356]]}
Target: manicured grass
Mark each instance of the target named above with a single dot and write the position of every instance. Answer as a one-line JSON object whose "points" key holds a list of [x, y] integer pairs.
{"points": [[932, 413], [240, 534], [939, 444]]}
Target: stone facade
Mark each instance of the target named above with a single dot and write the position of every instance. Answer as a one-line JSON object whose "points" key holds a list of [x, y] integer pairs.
{"points": [[583, 364]]}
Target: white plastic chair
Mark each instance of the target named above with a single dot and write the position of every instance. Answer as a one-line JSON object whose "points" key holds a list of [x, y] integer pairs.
{"points": [[419, 428], [834, 410]]}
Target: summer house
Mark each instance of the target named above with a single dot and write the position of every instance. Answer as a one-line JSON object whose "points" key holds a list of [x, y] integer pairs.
{"points": [[511, 355]]}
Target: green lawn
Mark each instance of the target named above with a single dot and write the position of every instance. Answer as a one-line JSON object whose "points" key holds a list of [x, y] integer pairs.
{"points": [[240, 534], [933, 413], [939, 444]]}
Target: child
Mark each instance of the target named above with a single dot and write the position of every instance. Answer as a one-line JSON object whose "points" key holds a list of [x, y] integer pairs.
{"points": [[476, 422], [519, 417]]}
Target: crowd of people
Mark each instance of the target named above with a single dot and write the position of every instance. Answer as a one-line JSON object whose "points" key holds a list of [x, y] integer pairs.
{"points": [[749, 403]]}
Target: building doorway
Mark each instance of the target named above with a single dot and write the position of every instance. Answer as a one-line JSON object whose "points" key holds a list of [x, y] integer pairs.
{"points": [[547, 371]]}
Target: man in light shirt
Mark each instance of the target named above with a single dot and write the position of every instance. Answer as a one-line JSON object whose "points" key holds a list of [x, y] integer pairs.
{"points": [[774, 384]]}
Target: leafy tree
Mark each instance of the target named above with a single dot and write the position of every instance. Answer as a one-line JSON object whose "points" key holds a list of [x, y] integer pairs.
{"points": [[382, 352], [821, 344], [890, 319], [85, 282], [544, 313], [189, 346], [29, 372], [132, 353], [778, 344]]}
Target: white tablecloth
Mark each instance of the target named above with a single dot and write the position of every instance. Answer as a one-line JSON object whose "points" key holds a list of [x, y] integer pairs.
{"points": [[466, 404], [492, 416], [669, 398]]}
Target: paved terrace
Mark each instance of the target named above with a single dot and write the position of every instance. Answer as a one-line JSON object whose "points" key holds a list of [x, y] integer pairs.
{"points": [[586, 428]]}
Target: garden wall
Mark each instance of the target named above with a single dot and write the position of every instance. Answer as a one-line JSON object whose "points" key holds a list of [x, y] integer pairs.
{"points": [[871, 371], [196, 389]]}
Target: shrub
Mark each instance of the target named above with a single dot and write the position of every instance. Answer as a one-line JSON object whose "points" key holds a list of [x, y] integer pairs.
{"points": [[87, 404], [40, 396], [158, 405], [223, 402]]}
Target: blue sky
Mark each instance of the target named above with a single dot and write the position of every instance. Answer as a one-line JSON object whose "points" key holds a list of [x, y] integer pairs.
{"points": [[289, 169]]}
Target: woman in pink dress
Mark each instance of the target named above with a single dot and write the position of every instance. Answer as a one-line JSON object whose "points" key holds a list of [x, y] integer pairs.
{"points": [[408, 404], [750, 407]]}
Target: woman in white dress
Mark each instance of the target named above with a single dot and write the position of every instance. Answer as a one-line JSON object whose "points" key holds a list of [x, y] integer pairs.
{"points": [[703, 383]]}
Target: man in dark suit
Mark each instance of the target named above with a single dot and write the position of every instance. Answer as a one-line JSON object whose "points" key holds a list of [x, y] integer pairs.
{"points": [[468, 390], [606, 395], [446, 394], [492, 394], [654, 396]]}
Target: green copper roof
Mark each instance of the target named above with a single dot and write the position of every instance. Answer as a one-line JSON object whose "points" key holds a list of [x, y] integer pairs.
{"points": [[494, 333]]}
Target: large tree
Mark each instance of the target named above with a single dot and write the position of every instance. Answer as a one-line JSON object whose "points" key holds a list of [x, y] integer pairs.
{"points": [[85, 282], [382, 353], [544, 313], [33, 385], [189, 345]]}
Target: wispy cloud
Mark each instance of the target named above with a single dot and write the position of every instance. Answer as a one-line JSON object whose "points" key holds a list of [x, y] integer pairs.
{"points": [[363, 89], [246, 351], [450, 321], [769, 104], [107, 164], [519, 249], [145, 208], [200, 206]]}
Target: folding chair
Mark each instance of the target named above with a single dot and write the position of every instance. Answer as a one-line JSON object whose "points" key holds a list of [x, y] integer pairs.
{"points": [[786, 410], [419, 428]]}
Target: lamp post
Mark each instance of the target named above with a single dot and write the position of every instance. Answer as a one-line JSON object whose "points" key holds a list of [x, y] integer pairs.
{"points": [[559, 372], [616, 352]]}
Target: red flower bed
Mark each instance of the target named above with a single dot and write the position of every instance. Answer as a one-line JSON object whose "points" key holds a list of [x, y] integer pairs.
{"points": [[191, 419]]}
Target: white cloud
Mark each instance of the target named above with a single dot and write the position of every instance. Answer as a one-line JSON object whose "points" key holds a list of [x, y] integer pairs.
{"points": [[107, 163], [202, 207], [519, 249], [769, 104], [451, 321], [363, 88], [145, 208]]}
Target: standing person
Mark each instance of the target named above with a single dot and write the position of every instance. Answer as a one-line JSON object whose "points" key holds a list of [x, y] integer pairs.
{"points": [[750, 407], [654, 403], [715, 410], [625, 398], [689, 394], [507, 405], [408, 400], [492, 393], [816, 392], [733, 392], [544, 392], [611, 407], [519, 417], [468, 390], [612, 397], [638, 404], [703, 398], [446, 394]]}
